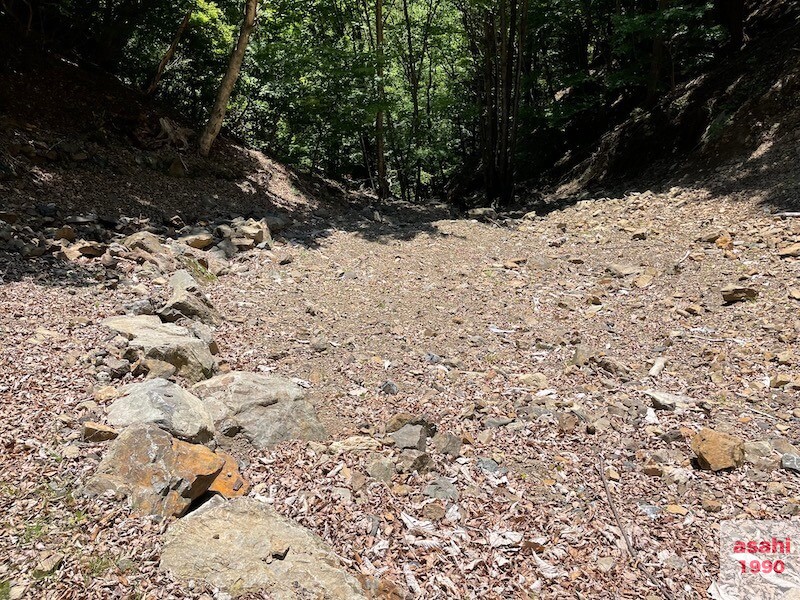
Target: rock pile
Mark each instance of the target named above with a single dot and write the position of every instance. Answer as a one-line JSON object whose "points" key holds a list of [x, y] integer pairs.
{"points": [[164, 452]]}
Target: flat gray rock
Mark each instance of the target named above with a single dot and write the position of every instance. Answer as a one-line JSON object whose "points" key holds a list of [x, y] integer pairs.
{"points": [[442, 489], [151, 338], [410, 436], [165, 404], [265, 409], [668, 401], [245, 546]]}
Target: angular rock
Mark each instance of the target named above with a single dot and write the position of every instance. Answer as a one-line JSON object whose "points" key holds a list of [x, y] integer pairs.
{"points": [[783, 446], [402, 419], [761, 454], [389, 388], [188, 301], [711, 505], [257, 231], [382, 469], [226, 249], [442, 489], [198, 240], [793, 250], [277, 223], [150, 338], [165, 404], [447, 443], [780, 380], [496, 422], [245, 546], [490, 465], [47, 564], [144, 240], [791, 462], [65, 232], [265, 409], [667, 401], [159, 474], [410, 436], [140, 307], [582, 355], [97, 432], [735, 293], [567, 422], [399, 420], [414, 460], [116, 367], [157, 368], [623, 270], [243, 244], [717, 451]]}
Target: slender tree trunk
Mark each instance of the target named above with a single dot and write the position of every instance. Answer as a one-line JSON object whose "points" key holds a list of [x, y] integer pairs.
{"points": [[730, 14], [383, 187], [365, 155], [170, 52], [658, 59], [489, 108], [522, 37], [214, 124]]}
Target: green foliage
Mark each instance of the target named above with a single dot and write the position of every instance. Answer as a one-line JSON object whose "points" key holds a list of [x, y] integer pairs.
{"points": [[308, 92]]}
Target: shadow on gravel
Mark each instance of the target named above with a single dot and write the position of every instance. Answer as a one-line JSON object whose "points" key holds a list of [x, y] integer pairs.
{"points": [[74, 142], [47, 271]]}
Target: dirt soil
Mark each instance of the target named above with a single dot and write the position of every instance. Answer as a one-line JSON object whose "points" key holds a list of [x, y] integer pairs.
{"points": [[479, 326]]}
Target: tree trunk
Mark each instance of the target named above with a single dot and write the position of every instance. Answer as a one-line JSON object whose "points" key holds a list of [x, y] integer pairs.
{"points": [[170, 53], [658, 59], [383, 187], [730, 14], [214, 124]]}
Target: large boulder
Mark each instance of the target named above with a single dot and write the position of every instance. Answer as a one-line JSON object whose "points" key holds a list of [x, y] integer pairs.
{"points": [[245, 546], [159, 474], [165, 404], [188, 301], [150, 338], [265, 409]]}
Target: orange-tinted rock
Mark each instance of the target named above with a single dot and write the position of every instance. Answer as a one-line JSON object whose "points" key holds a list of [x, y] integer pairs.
{"points": [[97, 432], [229, 481], [717, 451], [160, 475]]}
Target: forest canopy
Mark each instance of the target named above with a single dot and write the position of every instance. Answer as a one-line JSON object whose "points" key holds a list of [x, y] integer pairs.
{"points": [[415, 98]]}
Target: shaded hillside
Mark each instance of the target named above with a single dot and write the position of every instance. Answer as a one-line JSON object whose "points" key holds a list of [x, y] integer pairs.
{"points": [[743, 116]]}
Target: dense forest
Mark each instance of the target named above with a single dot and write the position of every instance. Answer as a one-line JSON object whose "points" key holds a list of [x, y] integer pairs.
{"points": [[414, 98]]}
